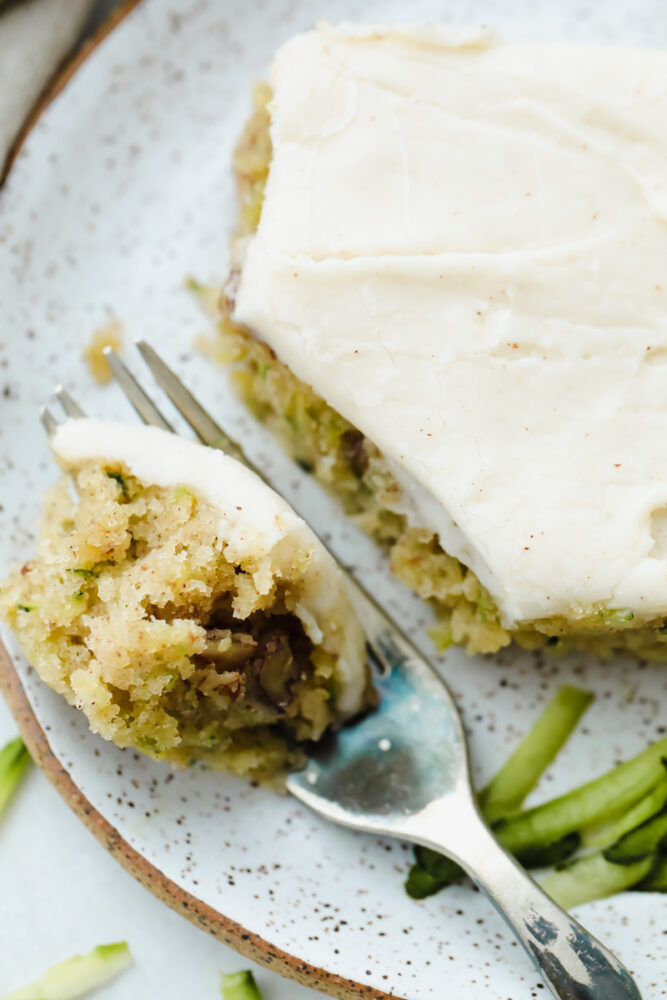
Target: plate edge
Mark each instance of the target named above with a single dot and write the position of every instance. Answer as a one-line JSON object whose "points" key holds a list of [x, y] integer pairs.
{"points": [[201, 914]]}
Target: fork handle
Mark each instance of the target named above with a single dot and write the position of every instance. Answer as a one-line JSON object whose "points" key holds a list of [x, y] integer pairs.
{"points": [[571, 961]]}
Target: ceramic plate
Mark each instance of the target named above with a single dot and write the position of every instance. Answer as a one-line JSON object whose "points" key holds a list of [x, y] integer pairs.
{"points": [[122, 188]]}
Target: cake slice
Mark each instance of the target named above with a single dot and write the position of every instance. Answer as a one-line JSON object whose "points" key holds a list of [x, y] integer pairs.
{"points": [[184, 607], [453, 308]]}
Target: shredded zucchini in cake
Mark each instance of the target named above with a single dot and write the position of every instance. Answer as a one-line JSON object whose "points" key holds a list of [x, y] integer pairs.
{"points": [[347, 463], [132, 611], [252, 158]]}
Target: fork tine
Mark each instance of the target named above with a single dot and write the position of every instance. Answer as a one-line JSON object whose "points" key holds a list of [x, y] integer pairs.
{"points": [[202, 423], [139, 399], [211, 434], [49, 422], [69, 405]]}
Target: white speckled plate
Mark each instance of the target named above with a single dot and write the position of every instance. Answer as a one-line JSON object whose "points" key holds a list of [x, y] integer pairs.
{"points": [[122, 187]]}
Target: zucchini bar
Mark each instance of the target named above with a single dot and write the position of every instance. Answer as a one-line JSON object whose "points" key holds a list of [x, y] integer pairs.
{"points": [[447, 297], [184, 607]]}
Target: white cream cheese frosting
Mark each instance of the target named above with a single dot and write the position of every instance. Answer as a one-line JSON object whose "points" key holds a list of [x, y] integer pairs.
{"points": [[258, 529], [462, 248]]}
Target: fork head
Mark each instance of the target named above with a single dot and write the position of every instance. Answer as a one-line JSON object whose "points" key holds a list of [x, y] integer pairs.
{"points": [[409, 752]]}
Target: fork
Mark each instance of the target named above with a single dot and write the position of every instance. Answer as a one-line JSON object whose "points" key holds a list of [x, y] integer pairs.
{"points": [[403, 770]]}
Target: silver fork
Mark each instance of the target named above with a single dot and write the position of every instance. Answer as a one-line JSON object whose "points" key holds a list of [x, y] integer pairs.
{"points": [[403, 771]]}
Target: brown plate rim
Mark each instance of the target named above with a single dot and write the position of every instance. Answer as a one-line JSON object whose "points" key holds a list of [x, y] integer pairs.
{"points": [[211, 921]]}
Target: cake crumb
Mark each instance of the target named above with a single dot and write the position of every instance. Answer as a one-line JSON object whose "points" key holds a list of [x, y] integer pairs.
{"points": [[109, 335]]}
